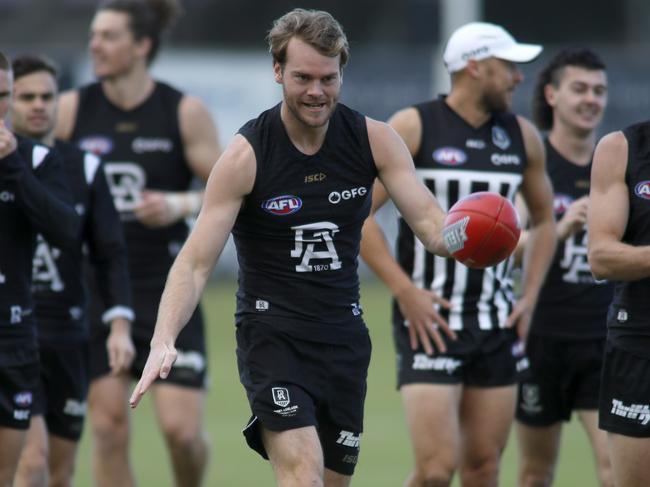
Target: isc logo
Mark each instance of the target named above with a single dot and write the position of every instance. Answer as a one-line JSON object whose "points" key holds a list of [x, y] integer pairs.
{"points": [[642, 190], [282, 205]]}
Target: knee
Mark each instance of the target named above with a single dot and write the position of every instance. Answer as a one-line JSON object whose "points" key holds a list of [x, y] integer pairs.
{"points": [[432, 476], [110, 428], [536, 475], [537, 479], [181, 435], [298, 470], [482, 473], [432, 479]]}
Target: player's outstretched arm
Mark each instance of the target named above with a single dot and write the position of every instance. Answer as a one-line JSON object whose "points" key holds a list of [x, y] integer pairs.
{"points": [[397, 173], [608, 215], [425, 324], [540, 244], [230, 181]]}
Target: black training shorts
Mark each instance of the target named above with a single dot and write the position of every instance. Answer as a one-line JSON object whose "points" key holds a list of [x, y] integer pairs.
{"points": [[293, 383], [19, 368], [624, 406], [564, 376], [63, 388], [477, 359]]}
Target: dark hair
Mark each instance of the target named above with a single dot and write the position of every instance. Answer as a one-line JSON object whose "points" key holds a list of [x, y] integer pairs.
{"points": [[552, 74], [147, 18], [316, 27], [5, 63], [28, 64]]}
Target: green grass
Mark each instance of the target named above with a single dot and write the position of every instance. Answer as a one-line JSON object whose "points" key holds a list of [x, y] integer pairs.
{"points": [[386, 451]]}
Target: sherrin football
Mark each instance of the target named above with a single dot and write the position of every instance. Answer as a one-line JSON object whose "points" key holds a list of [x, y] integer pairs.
{"points": [[481, 229]]}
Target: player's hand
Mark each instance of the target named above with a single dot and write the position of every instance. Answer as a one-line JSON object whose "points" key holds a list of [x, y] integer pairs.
{"points": [[574, 219], [424, 322], [520, 318], [8, 142], [154, 210], [159, 363], [119, 344]]}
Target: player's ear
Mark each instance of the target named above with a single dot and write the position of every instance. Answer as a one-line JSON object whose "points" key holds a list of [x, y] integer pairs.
{"points": [[144, 46], [277, 72], [549, 94], [473, 68]]}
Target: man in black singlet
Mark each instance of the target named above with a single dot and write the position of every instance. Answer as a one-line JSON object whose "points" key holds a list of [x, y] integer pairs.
{"points": [[34, 198], [59, 289], [459, 393], [294, 188], [567, 335], [619, 250], [153, 140]]}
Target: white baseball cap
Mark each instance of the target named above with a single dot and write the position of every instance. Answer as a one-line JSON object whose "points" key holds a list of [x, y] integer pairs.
{"points": [[481, 40]]}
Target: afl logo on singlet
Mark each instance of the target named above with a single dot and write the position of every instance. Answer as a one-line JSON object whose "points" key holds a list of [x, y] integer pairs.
{"points": [[449, 156], [282, 205], [561, 203], [642, 190], [96, 144]]}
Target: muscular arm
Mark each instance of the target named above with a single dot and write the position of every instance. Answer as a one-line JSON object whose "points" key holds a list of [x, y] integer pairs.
{"points": [[201, 151], [608, 216], [425, 218], [230, 181], [66, 114], [414, 201], [540, 245]]}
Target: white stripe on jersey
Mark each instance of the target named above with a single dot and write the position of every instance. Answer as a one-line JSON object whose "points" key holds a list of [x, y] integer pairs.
{"points": [[91, 163], [38, 155], [490, 298]]}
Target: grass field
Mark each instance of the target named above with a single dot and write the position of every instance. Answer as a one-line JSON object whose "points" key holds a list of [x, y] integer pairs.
{"points": [[385, 454]]}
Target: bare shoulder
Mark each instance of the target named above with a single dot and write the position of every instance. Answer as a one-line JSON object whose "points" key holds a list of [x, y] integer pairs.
{"points": [[610, 157], [408, 118], [408, 124], [532, 141], [381, 136], [528, 131], [192, 106], [195, 118], [237, 165], [68, 104]]}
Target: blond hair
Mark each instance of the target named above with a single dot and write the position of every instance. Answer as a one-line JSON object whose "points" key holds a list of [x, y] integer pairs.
{"points": [[315, 27]]}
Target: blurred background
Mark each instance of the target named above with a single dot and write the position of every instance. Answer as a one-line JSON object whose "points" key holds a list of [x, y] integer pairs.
{"points": [[217, 51]]}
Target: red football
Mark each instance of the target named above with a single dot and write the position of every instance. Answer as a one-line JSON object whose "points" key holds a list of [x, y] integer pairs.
{"points": [[481, 229]]}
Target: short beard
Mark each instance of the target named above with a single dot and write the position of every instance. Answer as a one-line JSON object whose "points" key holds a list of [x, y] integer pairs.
{"points": [[492, 103], [296, 113]]}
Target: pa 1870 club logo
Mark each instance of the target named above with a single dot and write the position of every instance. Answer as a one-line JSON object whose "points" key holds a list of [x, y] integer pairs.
{"points": [[282, 205]]}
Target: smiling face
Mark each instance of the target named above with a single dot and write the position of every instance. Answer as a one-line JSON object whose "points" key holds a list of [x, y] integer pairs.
{"points": [[311, 83], [113, 48], [33, 110], [579, 99]]}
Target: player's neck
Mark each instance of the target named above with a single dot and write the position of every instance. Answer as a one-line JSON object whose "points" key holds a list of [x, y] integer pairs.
{"points": [[48, 139], [129, 90], [467, 107], [576, 147], [307, 140]]}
